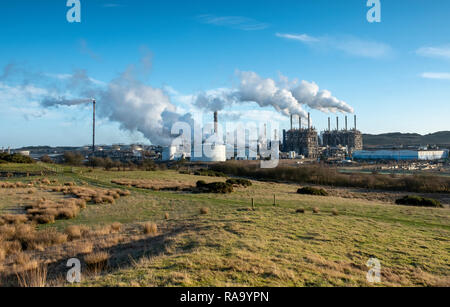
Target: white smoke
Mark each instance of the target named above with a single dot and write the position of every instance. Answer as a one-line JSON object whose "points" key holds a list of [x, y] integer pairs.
{"points": [[140, 107], [308, 93], [284, 96], [125, 100]]}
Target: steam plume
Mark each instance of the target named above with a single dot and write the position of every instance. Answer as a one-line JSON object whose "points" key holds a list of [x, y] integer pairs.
{"points": [[285, 97]]}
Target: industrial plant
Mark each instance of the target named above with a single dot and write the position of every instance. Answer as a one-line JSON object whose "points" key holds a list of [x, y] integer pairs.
{"points": [[301, 142]]}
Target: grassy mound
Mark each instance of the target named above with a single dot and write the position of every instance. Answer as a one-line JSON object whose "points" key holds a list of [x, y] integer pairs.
{"points": [[312, 191], [418, 201]]}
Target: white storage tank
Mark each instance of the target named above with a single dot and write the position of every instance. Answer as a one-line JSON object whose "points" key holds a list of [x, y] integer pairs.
{"points": [[169, 153], [210, 153]]}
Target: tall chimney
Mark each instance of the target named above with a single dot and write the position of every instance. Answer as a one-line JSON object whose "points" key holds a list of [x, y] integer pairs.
{"points": [[337, 123], [299, 122], [265, 133], [93, 127], [329, 124], [355, 122], [216, 122], [309, 121], [275, 136], [346, 123], [291, 121]]}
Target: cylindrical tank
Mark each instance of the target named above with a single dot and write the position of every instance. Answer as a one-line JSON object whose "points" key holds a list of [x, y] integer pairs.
{"points": [[210, 153], [169, 153]]}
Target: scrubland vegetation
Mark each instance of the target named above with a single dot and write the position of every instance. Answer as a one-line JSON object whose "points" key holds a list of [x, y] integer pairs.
{"points": [[141, 228], [322, 175], [418, 201]]}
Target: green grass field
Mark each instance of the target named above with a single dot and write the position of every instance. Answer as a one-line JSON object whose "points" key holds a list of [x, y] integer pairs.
{"points": [[271, 246]]}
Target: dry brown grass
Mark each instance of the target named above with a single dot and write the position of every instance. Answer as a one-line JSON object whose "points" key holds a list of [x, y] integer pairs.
{"points": [[15, 238], [73, 232], [150, 228], [33, 277], [13, 219], [97, 261], [80, 247], [204, 210], [116, 226]]}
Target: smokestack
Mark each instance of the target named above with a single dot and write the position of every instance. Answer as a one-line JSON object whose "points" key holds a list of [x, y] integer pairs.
{"points": [[355, 122], [329, 124], [299, 122], [337, 123], [265, 133], [291, 121], [275, 136], [309, 121], [346, 123], [216, 122], [93, 126]]}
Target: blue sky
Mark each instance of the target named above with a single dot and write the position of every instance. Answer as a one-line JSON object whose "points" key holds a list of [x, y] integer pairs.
{"points": [[395, 74]]}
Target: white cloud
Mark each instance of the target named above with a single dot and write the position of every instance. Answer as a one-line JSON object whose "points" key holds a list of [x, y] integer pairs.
{"points": [[299, 37], [436, 75], [435, 52], [69, 76], [348, 44], [234, 22]]}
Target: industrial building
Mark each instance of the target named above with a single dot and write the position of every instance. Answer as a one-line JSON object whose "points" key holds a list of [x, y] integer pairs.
{"points": [[211, 152], [352, 139], [302, 141], [401, 155]]}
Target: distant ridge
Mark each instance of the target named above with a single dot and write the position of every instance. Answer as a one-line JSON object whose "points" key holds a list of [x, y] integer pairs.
{"points": [[396, 139]]}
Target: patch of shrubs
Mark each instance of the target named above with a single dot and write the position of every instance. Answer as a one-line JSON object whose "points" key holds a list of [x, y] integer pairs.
{"points": [[240, 182], [214, 187], [15, 158], [209, 173], [418, 201], [330, 176], [312, 191]]}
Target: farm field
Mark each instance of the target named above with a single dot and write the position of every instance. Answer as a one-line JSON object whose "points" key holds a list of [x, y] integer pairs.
{"points": [[205, 239]]}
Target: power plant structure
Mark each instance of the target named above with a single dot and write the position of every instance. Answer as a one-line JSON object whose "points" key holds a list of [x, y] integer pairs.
{"points": [[303, 141], [214, 151], [93, 126], [352, 139]]}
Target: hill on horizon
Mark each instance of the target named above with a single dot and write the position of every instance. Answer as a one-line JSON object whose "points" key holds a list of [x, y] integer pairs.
{"points": [[407, 139]]}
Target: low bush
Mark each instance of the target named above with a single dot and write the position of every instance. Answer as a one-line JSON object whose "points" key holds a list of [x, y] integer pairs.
{"points": [[97, 261], [418, 201], [15, 158], [116, 226], [240, 182], [150, 228], [312, 191]]}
